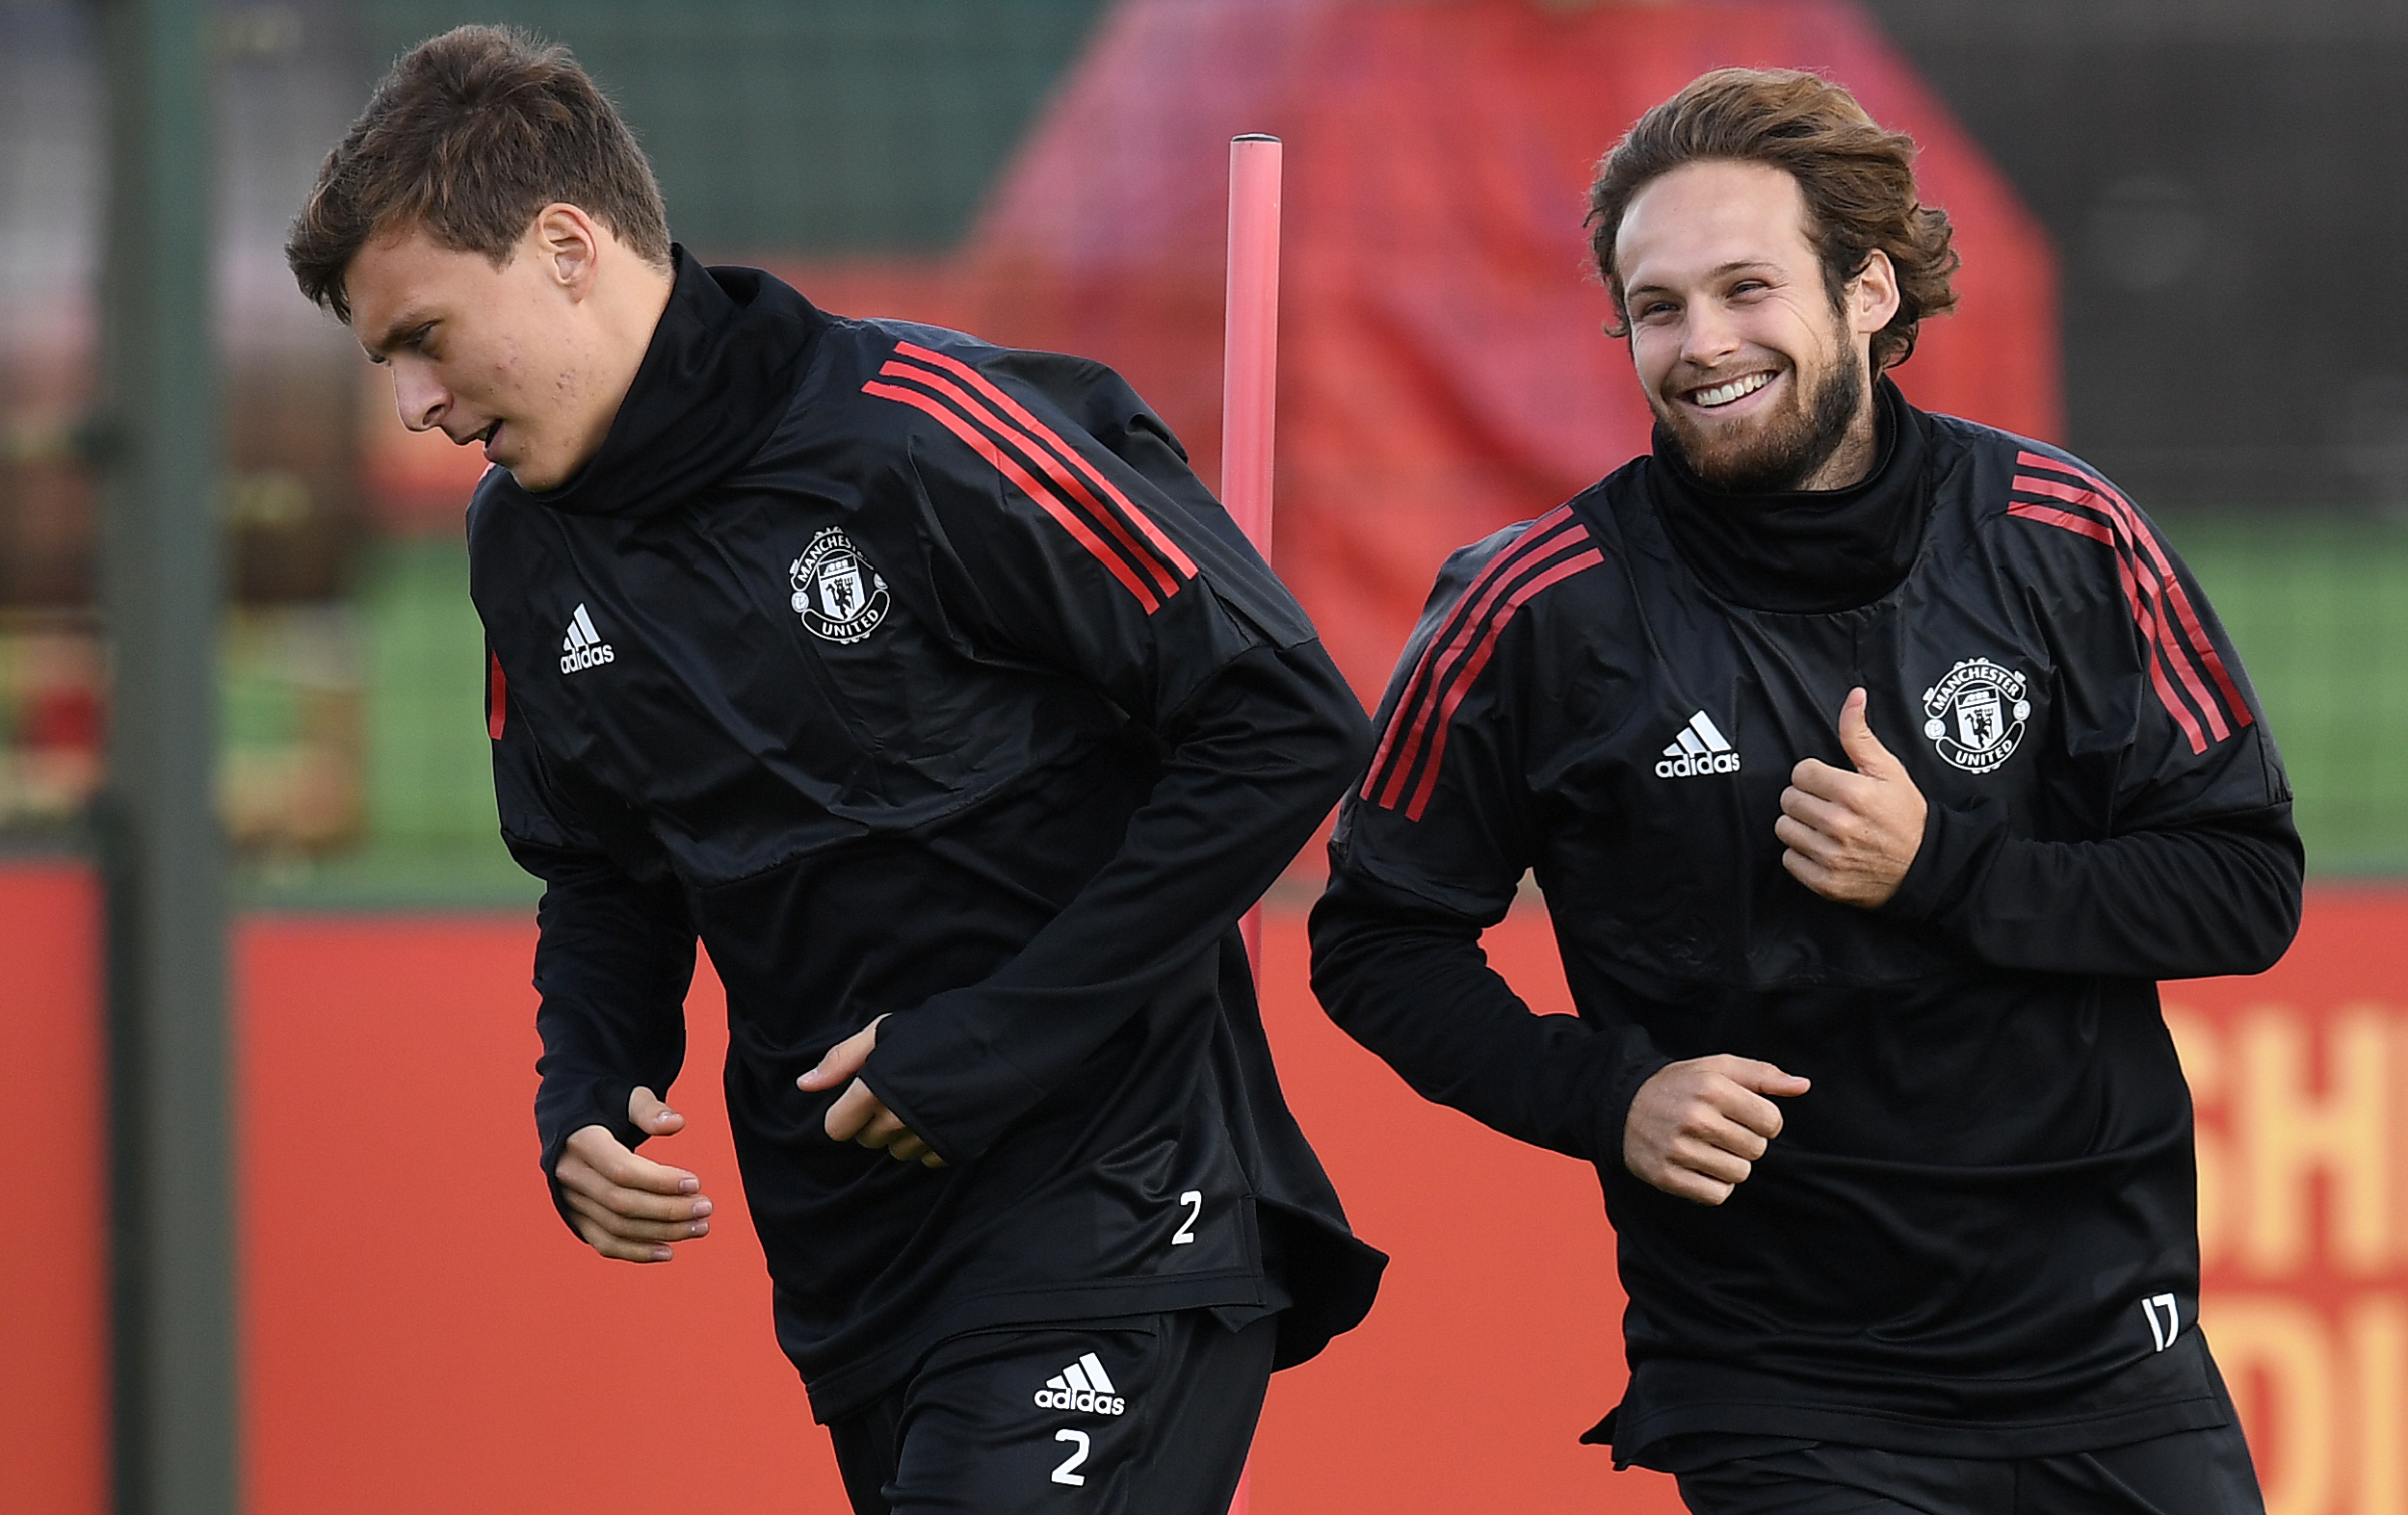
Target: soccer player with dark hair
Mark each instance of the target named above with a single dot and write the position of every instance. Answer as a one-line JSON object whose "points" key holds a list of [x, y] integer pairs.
{"points": [[922, 681], [1874, 766]]}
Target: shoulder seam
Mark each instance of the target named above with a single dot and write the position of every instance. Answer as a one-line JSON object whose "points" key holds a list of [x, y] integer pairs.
{"points": [[2182, 657], [1046, 468], [1404, 767]]}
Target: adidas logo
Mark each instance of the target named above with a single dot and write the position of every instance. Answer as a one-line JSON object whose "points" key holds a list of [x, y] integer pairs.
{"points": [[1702, 749], [583, 647], [1083, 1385]]}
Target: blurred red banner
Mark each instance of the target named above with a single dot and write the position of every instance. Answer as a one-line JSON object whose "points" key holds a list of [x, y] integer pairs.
{"points": [[420, 1332]]}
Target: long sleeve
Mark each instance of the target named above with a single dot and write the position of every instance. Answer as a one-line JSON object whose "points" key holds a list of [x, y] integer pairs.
{"points": [[1069, 535], [613, 958], [1409, 980], [614, 950], [2191, 865], [1253, 764], [2220, 894], [1396, 961]]}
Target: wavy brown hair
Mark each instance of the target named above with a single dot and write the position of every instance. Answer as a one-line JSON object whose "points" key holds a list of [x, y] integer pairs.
{"points": [[469, 136], [1858, 180]]}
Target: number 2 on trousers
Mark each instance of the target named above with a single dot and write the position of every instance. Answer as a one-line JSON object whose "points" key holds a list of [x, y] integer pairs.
{"points": [[1078, 1455], [1193, 1199]]}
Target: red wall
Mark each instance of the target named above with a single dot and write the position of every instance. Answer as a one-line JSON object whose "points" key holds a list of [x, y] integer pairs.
{"points": [[422, 1333], [53, 1268]]}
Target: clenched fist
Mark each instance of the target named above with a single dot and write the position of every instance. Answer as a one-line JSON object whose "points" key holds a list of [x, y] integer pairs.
{"points": [[1696, 1129]]}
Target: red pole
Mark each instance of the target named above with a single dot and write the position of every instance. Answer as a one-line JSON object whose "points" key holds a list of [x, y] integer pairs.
{"points": [[1250, 377], [1251, 364], [1248, 391]]}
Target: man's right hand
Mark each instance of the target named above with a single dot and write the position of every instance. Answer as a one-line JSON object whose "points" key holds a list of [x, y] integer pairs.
{"points": [[1697, 1128], [626, 1206]]}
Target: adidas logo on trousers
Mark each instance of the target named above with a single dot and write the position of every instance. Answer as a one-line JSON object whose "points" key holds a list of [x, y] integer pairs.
{"points": [[1702, 749], [1083, 1385]]}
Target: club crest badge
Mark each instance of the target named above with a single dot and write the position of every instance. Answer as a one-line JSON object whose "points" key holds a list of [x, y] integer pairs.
{"points": [[839, 596], [1976, 714]]}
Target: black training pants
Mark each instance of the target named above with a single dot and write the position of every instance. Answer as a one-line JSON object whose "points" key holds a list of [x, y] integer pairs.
{"points": [[1148, 1416], [2188, 1473]]}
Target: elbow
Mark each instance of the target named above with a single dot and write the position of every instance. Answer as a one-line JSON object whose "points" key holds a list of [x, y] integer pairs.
{"points": [[1347, 954], [2284, 887], [1341, 716], [1331, 965], [2259, 935], [2281, 926], [1357, 739], [1331, 728]]}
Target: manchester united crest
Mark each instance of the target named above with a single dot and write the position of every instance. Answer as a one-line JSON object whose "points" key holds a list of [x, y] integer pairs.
{"points": [[839, 596], [1976, 714]]}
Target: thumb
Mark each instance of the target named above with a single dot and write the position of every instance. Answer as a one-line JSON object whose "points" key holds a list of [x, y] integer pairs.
{"points": [[1864, 749], [843, 1060], [1765, 1079], [647, 1113]]}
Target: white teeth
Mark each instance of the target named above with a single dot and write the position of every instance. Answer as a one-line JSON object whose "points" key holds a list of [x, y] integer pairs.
{"points": [[1724, 394]]}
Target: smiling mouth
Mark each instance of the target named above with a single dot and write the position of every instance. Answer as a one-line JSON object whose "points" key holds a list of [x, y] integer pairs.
{"points": [[1724, 394], [485, 436]]}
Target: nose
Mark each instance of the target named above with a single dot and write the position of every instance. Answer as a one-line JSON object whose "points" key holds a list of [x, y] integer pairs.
{"points": [[1708, 334], [420, 400]]}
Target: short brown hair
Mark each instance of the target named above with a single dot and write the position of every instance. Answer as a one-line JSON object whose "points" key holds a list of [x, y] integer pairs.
{"points": [[471, 135], [1858, 180]]}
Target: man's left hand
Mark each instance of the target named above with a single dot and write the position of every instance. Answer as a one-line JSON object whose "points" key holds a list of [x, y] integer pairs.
{"points": [[1851, 837], [860, 1115]]}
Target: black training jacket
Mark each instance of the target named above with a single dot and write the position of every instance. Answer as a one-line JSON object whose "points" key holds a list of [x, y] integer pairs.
{"points": [[1976, 1235], [914, 675]]}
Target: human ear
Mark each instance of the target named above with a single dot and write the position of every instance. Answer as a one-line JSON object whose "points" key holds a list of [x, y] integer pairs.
{"points": [[571, 245], [1872, 295]]}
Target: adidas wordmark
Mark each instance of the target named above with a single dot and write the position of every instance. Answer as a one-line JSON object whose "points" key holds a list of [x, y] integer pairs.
{"points": [[1083, 1385], [583, 647], [1700, 750]]}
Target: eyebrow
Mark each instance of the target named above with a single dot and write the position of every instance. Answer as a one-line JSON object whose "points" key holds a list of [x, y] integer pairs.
{"points": [[401, 326], [1735, 265]]}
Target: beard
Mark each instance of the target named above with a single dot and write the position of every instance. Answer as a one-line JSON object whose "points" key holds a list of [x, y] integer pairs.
{"points": [[1785, 448]]}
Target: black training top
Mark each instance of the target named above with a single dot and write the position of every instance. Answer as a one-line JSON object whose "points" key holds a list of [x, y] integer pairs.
{"points": [[919, 676], [1975, 1235]]}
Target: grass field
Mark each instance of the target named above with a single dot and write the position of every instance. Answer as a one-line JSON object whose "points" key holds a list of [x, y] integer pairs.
{"points": [[2317, 606], [430, 834]]}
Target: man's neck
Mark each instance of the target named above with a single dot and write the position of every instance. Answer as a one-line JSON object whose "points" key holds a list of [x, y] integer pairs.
{"points": [[627, 323], [1852, 461]]}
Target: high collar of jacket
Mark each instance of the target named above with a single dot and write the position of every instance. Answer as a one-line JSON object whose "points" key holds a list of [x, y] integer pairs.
{"points": [[1802, 551], [715, 381]]}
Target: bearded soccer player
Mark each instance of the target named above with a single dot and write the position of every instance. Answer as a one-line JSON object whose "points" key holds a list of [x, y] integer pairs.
{"points": [[921, 681], [1874, 766]]}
